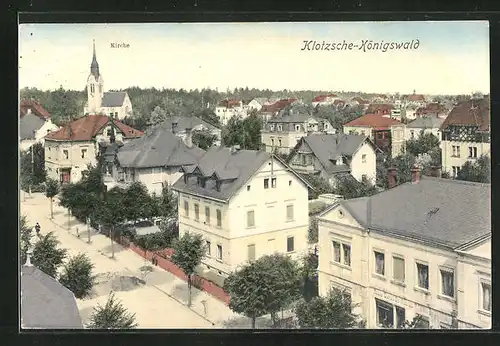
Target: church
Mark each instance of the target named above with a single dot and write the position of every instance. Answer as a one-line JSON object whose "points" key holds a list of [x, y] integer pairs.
{"points": [[115, 104]]}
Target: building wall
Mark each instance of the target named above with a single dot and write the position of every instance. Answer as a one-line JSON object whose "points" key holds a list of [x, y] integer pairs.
{"points": [[366, 285], [397, 139], [254, 105], [154, 178], [449, 161], [366, 131], [55, 158], [417, 130], [369, 167], [269, 206], [225, 114]]}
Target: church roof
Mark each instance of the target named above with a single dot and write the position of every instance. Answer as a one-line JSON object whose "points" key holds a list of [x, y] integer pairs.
{"points": [[113, 98]]}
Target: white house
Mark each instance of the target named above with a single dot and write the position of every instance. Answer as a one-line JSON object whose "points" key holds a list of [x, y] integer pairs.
{"points": [[325, 100], [69, 150], [415, 249], [331, 156], [114, 104], [33, 129], [425, 125], [154, 159], [465, 134], [281, 134], [227, 109], [246, 204], [185, 126], [257, 103]]}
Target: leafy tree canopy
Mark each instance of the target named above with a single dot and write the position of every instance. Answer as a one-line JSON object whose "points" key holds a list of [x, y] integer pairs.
{"points": [[245, 133], [113, 315], [425, 143], [77, 276], [478, 171], [47, 256], [203, 139]]}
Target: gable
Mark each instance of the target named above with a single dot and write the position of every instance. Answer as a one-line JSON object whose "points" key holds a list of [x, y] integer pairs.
{"points": [[483, 249], [338, 213]]}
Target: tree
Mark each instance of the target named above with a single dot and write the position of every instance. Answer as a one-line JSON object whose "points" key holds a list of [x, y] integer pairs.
{"points": [[168, 202], [425, 143], [64, 104], [478, 171], [189, 250], [203, 139], [112, 316], [110, 214], [26, 233], [319, 184], [77, 276], [158, 115], [245, 133], [312, 235], [32, 166], [51, 190], [331, 312], [349, 188], [309, 272], [47, 256], [137, 202]]}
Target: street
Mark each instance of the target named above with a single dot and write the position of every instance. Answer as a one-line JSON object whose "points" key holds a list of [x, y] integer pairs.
{"points": [[155, 296]]}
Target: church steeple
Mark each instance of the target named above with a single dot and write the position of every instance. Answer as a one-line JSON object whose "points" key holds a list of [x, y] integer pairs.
{"points": [[94, 67]]}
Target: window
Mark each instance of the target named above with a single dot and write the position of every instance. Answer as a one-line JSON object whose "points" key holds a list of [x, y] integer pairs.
{"points": [[472, 152], [248, 187], [455, 150], [250, 218], [251, 252], [289, 183], [289, 212], [116, 114], [272, 129], [423, 275], [379, 263], [266, 183], [186, 208], [398, 269], [385, 314], [347, 254], [400, 317], [326, 126], [219, 252], [279, 129], [364, 177], [66, 154], [289, 244], [219, 218], [486, 299], [92, 89], [196, 212], [363, 158], [447, 283], [84, 153], [297, 127], [209, 247], [279, 141], [272, 142], [273, 183], [336, 251], [207, 215]]}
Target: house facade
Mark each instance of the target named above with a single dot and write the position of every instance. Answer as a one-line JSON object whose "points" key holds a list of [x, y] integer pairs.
{"points": [[155, 159], [331, 156], [185, 127], [281, 134], [245, 204], [227, 109], [33, 128], [465, 134], [399, 254], [388, 134], [273, 107], [113, 104], [69, 150], [425, 124]]}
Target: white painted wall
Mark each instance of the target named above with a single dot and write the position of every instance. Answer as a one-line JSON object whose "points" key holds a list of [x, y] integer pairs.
{"points": [[55, 158], [417, 130], [368, 167], [449, 160], [365, 285]]}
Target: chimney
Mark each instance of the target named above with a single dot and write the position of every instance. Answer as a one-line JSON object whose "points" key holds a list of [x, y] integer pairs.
{"points": [[174, 127], [415, 175], [436, 171], [188, 139], [391, 176]]}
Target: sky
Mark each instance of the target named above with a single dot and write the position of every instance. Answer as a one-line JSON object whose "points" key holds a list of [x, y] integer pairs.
{"points": [[451, 57]]}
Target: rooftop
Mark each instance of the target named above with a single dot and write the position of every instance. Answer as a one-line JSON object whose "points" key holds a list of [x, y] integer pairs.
{"points": [[35, 108], [113, 98], [186, 122], [373, 120], [428, 211], [472, 112], [29, 124], [426, 123]]}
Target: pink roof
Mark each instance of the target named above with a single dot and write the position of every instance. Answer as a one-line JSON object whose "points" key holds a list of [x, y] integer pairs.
{"points": [[373, 120]]}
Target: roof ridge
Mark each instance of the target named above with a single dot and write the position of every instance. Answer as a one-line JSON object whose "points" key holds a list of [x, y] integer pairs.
{"points": [[454, 181]]}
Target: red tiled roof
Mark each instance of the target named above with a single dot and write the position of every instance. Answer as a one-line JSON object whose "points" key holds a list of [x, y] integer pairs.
{"points": [[323, 97], [229, 103], [373, 120], [471, 112], [416, 97], [35, 107], [431, 108], [278, 105], [360, 100], [87, 127], [377, 107]]}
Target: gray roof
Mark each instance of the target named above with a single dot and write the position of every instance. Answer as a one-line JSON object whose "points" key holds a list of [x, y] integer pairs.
{"points": [[113, 98], [295, 118], [426, 123], [443, 212], [45, 303], [158, 148], [29, 124], [329, 147], [186, 122]]}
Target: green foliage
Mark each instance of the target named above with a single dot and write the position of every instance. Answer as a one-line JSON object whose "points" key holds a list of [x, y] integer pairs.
{"points": [[137, 202], [52, 188], [26, 234], [264, 286], [478, 171], [158, 115], [309, 275], [415, 323], [331, 312], [32, 173], [425, 143], [338, 116], [112, 316], [349, 188], [203, 139], [189, 250], [110, 213], [77, 276], [168, 202], [155, 241], [312, 234], [245, 133], [47, 256], [319, 184]]}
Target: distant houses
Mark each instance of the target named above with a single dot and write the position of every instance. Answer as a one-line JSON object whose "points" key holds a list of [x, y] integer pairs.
{"points": [[34, 124]]}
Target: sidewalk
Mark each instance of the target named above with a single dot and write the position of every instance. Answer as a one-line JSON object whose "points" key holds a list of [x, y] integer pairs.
{"points": [[148, 302]]}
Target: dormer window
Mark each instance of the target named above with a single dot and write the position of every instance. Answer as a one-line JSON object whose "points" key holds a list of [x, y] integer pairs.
{"points": [[271, 127], [280, 127]]}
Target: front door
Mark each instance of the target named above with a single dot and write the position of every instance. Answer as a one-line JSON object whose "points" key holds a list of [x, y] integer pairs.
{"points": [[65, 176]]}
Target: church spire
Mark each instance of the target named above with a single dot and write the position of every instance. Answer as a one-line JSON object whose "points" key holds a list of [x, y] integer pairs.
{"points": [[94, 67]]}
